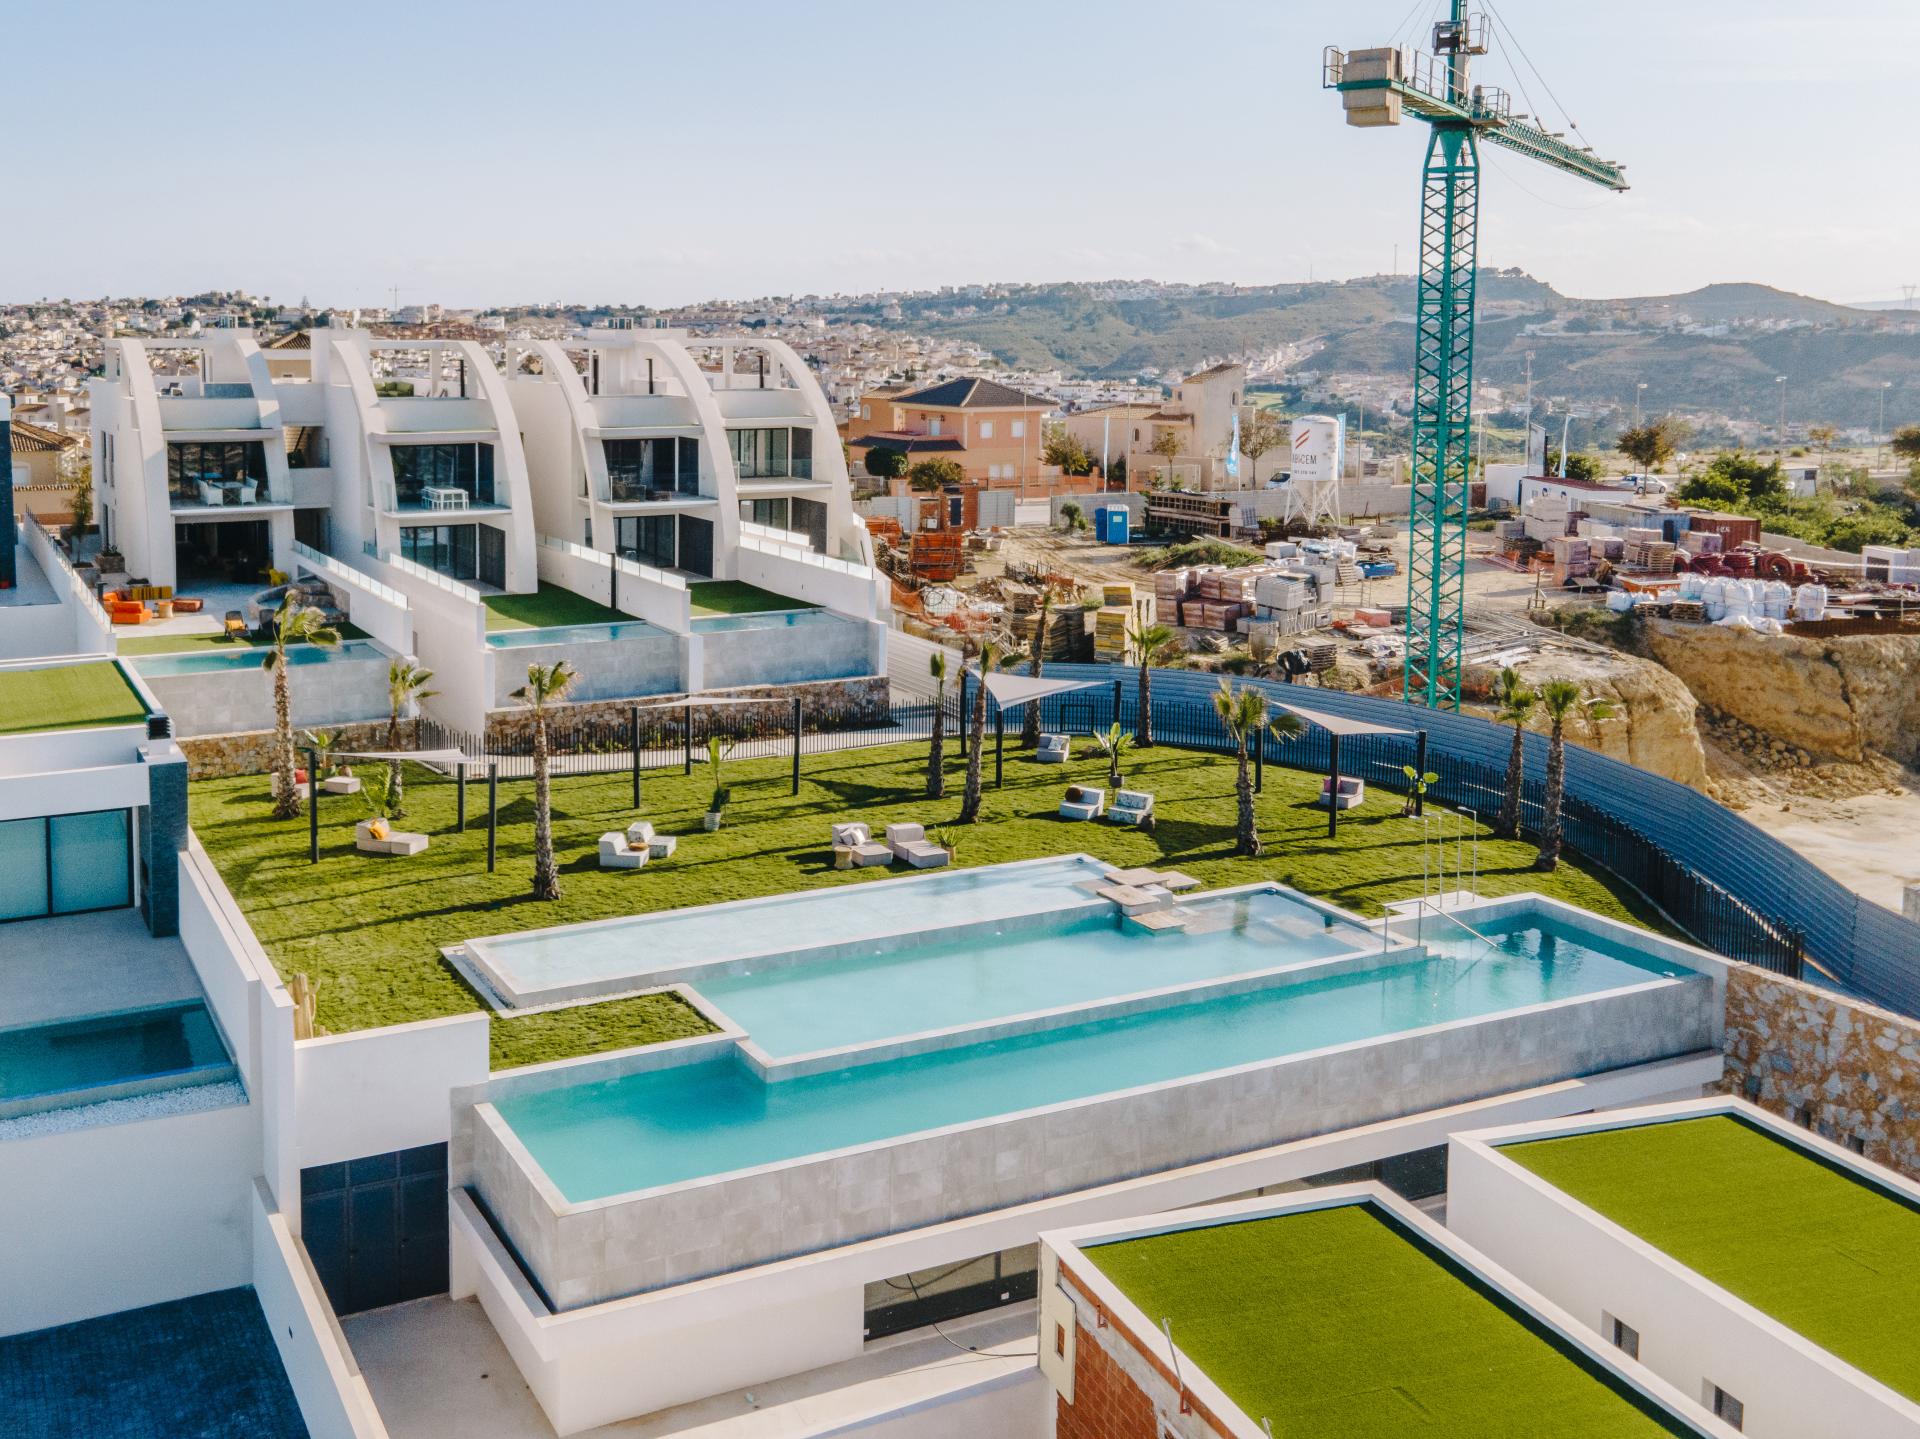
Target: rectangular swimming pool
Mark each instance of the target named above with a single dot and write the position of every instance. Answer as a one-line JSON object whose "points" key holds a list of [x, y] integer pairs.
{"points": [[715, 1117], [206, 662], [766, 620], [109, 1056], [575, 634]]}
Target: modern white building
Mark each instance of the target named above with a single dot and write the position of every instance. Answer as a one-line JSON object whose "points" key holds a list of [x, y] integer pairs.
{"points": [[638, 450]]}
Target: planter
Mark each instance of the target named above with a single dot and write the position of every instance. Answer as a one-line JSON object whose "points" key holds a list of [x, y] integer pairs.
{"points": [[710, 821]]}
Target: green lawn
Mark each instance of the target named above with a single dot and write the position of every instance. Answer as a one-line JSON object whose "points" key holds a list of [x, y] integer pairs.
{"points": [[187, 643], [1827, 1255], [732, 597], [67, 697], [1340, 1324], [549, 605], [370, 929]]}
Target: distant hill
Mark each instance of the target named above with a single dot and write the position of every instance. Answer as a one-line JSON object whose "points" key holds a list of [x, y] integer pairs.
{"points": [[1595, 351]]}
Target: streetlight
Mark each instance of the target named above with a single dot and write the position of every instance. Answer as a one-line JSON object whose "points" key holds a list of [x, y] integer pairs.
{"points": [[1638, 390], [1881, 434], [1781, 381]]}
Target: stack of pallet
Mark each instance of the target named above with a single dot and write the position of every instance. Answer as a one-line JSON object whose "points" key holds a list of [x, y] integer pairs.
{"points": [[1702, 542], [938, 555], [1121, 610], [1688, 612], [1647, 549], [1170, 587], [1320, 654], [1572, 559]]}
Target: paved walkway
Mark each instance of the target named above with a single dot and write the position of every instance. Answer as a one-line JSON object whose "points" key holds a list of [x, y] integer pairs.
{"points": [[82, 964]]}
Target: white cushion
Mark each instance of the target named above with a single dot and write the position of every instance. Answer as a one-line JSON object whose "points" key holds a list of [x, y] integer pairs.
{"points": [[905, 833]]}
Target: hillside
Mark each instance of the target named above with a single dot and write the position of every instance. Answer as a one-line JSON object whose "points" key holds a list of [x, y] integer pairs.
{"points": [[1595, 354]]}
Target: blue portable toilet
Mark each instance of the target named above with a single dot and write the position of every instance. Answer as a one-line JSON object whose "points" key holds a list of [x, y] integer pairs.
{"points": [[1110, 524]]}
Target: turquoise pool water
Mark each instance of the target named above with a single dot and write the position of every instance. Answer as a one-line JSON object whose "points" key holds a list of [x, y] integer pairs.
{"points": [[600, 1139], [206, 662], [766, 620], [81, 1061], [1543, 939], [840, 914], [799, 1008], [574, 634]]}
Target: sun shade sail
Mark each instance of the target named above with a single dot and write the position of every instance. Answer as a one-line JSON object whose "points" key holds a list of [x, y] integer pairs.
{"points": [[1337, 724], [1010, 691]]}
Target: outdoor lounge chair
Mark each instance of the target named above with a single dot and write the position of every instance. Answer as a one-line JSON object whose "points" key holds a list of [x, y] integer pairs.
{"points": [[374, 837], [1131, 806], [617, 852], [1083, 802], [640, 833], [1352, 791], [234, 626], [854, 847], [1053, 749], [910, 842]]}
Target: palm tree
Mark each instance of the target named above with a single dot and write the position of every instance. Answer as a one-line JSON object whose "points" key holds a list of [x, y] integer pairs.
{"points": [[1244, 715], [1517, 701], [1030, 721], [977, 733], [1560, 698], [937, 746], [546, 685], [406, 685], [1150, 645], [1113, 742], [294, 624]]}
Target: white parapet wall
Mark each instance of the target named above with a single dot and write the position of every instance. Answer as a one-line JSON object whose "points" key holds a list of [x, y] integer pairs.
{"points": [[450, 638], [1692, 1332], [377, 1090], [379, 609], [334, 1400], [656, 596], [783, 563], [81, 626]]}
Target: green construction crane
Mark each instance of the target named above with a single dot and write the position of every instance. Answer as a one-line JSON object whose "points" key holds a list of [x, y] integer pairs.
{"points": [[1376, 87]]}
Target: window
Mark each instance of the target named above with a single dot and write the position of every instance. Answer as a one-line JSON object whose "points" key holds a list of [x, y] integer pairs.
{"points": [[1060, 1340], [1726, 1407], [213, 474], [66, 864], [933, 425], [1622, 1336], [986, 429], [1018, 429], [771, 453], [417, 468], [647, 538], [450, 550], [866, 412], [647, 469], [772, 513]]}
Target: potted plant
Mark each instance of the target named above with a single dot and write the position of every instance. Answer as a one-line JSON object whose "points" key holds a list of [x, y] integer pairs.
{"points": [[717, 752], [949, 840], [336, 776], [1417, 785], [376, 793]]}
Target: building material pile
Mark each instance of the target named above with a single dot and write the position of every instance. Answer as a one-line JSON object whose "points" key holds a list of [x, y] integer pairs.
{"points": [[1121, 610]]}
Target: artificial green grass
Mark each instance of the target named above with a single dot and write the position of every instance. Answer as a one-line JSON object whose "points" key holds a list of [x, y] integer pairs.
{"points": [[735, 597], [370, 929], [1827, 1254], [1341, 1323], [188, 643], [593, 1029], [67, 697], [549, 605]]}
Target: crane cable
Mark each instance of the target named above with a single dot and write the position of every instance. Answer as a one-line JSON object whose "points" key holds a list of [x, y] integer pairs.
{"points": [[1506, 29]]}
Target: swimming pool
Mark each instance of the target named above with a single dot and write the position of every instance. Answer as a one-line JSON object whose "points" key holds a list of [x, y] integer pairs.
{"points": [[715, 1117], [1548, 940], [576, 634], [575, 960], [998, 970], [209, 661], [766, 620], [109, 1056]]}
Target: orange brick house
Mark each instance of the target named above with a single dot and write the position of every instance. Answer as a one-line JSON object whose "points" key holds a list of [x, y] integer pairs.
{"points": [[995, 433]]}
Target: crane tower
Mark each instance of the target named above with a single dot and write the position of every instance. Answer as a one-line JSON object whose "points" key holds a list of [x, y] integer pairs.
{"points": [[1377, 87]]}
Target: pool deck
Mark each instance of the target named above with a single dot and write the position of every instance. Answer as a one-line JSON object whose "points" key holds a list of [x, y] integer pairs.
{"points": [[84, 964], [438, 1370], [1828, 1254]]}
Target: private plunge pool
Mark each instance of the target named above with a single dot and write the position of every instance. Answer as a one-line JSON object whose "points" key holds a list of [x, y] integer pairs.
{"points": [[861, 1093], [249, 658], [576, 634], [109, 1056]]}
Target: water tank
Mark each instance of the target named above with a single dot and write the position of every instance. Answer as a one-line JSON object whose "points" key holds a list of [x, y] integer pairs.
{"points": [[1319, 448]]}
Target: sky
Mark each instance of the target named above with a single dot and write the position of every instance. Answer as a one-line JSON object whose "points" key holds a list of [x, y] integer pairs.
{"points": [[637, 152]]}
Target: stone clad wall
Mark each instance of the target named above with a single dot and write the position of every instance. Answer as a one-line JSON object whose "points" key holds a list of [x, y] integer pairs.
{"points": [[1845, 1068], [217, 755]]}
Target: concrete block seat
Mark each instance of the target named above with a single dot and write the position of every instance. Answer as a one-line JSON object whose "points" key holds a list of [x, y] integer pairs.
{"points": [[910, 842], [1352, 791], [341, 784], [617, 851], [1053, 749], [1132, 807], [374, 837], [1083, 801], [854, 847], [662, 846]]}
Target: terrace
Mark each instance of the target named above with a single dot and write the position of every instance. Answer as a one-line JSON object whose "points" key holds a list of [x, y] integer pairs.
{"points": [[1344, 1316], [62, 697], [372, 936]]}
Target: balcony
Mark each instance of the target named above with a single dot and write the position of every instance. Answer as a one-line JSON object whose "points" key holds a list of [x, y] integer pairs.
{"points": [[215, 416]]}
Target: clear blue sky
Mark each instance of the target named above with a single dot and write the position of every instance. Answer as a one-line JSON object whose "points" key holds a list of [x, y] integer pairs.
{"points": [[653, 153]]}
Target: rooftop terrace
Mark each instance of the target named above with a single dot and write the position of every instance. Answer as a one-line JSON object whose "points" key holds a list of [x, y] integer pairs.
{"points": [[57, 697], [1824, 1251], [1340, 1322]]}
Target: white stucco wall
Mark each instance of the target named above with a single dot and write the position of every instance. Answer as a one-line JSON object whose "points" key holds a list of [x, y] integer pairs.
{"points": [[373, 1091]]}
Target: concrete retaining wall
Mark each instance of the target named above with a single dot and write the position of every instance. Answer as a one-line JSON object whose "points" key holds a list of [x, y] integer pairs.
{"points": [[240, 699], [587, 1253], [785, 655], [629, 667]]}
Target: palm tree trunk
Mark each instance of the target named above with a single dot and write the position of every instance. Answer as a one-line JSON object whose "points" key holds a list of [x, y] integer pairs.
{"points": [[546, 874], [1113, 771], [1509, 825], [1144, 726], [970, 800], [1030, 717], [286, 789], [1549, 857], [1247, 837], [395, 806], [937, 746]]}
